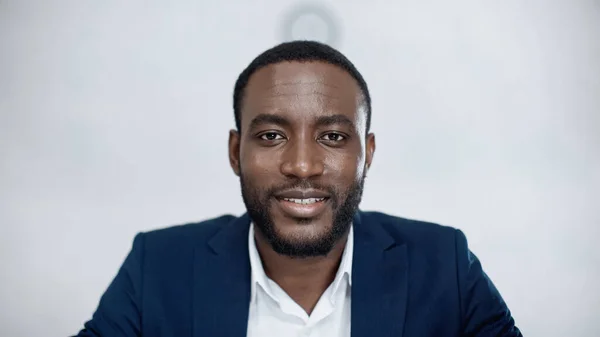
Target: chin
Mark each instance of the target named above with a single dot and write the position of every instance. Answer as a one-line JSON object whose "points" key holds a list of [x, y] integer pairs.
{"points": [[300, 237], [301, 230], [301, 247]]}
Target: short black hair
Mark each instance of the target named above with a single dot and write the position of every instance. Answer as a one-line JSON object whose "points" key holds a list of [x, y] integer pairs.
{"points": [[298, 51]]}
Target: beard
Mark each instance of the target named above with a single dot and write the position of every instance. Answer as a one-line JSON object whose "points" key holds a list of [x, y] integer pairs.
{"points": [[344, 204]]}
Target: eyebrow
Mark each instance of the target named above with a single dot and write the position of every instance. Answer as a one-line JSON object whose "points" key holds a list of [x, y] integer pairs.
{"points": [[263, 119], [335, 119]]}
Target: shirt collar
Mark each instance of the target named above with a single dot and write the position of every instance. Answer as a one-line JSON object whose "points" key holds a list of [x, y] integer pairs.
{"points": [[344, 272], [260, 278]]}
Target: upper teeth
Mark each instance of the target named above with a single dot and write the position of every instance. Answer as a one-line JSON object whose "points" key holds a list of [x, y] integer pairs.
{"points": [[304, 201]]}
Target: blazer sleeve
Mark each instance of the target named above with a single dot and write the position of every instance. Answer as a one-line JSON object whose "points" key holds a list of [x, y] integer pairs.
{"points": [[119, 312], [483, 311]]}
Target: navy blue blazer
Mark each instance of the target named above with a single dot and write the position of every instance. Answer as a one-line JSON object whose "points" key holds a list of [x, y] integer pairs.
{"points": [[409, 279]]}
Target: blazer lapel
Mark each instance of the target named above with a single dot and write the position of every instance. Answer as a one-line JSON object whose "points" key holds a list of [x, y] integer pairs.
{"points": [[222, 282], [379, 281]]}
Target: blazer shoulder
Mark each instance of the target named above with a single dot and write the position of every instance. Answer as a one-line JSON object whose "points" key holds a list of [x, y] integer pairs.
{"points": [[414, 232], [185, 235]]}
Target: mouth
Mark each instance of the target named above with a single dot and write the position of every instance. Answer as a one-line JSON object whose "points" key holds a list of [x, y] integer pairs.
{"points": [[302, 207]]}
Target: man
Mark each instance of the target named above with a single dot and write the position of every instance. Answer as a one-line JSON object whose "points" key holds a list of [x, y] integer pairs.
{"points": [[303, 261]]}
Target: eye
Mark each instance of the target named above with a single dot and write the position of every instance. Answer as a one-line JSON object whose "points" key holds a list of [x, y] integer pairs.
{"points": [[270, 136], [333, 137]]}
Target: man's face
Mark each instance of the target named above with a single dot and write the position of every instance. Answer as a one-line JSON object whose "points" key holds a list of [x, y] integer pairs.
{"points": [[302, 155]]}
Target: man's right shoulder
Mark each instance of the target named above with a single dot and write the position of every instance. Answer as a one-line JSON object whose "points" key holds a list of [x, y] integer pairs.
{"points": [[185, 235]]}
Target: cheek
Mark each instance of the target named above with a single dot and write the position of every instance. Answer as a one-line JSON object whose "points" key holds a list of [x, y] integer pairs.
{"points": [[346, 169], [360, 173], [359, 162], [258, 167]]}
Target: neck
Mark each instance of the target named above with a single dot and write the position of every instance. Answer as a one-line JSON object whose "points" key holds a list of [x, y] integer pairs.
{"points": [[303, 279]]}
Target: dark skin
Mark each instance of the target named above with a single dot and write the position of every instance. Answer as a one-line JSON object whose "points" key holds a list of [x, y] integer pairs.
{"points": [[302, 121]]}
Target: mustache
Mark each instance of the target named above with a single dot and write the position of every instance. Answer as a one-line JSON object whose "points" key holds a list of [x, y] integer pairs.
{"points": [[302, 184]]}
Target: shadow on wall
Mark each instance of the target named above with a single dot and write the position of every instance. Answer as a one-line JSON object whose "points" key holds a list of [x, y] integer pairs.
{"points": [[310, 21]]}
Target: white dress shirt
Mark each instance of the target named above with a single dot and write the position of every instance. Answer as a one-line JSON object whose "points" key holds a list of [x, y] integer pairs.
{"points": [[273, 313]]}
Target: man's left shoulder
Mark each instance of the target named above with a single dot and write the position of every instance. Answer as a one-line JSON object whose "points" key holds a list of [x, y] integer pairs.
{"points": [[413, 232]]}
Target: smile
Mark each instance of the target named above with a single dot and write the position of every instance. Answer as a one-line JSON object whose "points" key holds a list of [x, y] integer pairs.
{"points": [[302, 207], [305, 201]]}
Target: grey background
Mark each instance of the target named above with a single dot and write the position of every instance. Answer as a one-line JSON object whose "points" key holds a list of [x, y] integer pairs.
{"points": [[114, 118]]}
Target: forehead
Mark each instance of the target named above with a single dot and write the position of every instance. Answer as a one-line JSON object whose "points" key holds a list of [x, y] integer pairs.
{"points": [[302, 89]]}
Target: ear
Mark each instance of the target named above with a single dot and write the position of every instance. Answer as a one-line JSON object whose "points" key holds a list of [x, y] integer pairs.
{"points": [[234, 151], [370, 148]]}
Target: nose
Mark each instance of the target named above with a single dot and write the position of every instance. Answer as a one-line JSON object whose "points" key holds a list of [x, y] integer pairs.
{"points": [[302, 159]]}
